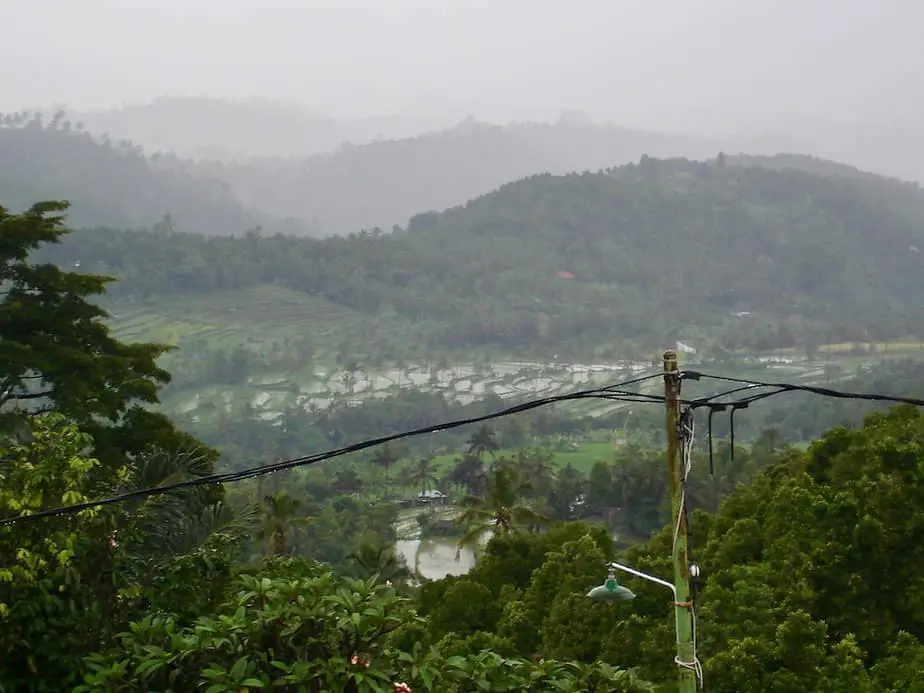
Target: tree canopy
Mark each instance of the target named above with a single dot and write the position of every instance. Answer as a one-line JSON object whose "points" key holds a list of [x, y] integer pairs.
{"points": [[728, 257], [57, 353]]}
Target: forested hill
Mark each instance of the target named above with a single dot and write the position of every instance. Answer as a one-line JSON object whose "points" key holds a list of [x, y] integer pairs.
{"points": [[383, 183], [637, 255], [109, 183]]}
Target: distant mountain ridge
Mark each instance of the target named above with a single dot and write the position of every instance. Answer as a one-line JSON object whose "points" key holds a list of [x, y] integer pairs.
{"points": [[383, 183], [380, 184], [226, 129], [109, 183]]}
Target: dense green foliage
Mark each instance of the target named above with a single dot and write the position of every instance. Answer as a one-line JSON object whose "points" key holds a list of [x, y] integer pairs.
{"points": [[299, 628], [56, 351], [163, 567], [810, 583], [810, 578], [810, 259]]}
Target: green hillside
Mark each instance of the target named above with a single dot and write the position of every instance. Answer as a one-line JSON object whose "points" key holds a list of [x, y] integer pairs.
{"points": [[616, 262], [260, 317]]}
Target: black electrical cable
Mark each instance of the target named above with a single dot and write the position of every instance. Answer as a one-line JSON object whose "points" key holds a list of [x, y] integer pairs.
{"points": [[792, 387], [778, 388], [610, 392], [613, 392]]}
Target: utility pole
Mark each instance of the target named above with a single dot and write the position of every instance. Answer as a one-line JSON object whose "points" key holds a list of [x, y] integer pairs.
{"points": [[682, 605]]}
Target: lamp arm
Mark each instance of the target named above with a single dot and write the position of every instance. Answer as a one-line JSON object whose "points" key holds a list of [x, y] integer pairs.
{"points": [[644, 576]]}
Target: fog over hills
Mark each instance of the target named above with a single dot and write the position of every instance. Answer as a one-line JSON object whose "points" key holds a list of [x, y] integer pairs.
{"points": [[214, 128], [383, 183], [347, 115], [379, 184], [223, 129]]}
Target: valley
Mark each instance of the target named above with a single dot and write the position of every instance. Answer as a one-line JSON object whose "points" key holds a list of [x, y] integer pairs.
{"points": [[345, 362], [195, 414]]}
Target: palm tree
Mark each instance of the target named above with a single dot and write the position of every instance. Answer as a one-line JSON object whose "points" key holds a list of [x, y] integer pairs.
{"points": [[468, 472], [536, 464], [279, 517], [174, 522], [482, 441], [181, 521], [501, 510], [384, 457], [221, 522], [381, 561], [423, 475]]}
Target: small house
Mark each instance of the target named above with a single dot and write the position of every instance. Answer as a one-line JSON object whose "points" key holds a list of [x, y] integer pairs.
{"points": [[431, 496]]}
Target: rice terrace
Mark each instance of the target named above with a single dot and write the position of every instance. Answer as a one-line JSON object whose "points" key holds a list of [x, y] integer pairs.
{"points": [[264, 319]]}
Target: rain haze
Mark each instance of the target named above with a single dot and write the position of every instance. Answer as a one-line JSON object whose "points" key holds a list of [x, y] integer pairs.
{"points": [[715, 66], [306, 306], [456, 97]]}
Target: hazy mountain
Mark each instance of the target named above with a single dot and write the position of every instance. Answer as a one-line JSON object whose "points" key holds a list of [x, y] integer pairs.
{"points": [[385, 182], [109, 183], [892, 145], [227, 129], [378, 184]]}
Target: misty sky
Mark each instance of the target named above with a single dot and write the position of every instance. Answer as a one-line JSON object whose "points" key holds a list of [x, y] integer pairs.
{"points": [[668, 64]]}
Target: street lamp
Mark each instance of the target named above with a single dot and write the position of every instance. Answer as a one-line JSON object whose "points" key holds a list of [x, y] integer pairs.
{"points": [[678, 462], [611, 591]]}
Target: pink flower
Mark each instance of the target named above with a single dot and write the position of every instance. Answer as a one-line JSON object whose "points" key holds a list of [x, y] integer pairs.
{"points": [[357, 660], [402, 688]]}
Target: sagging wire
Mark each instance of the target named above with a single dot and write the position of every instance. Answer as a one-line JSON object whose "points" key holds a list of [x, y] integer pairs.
{"points": [[718, 407], [792, 387], [614, 392]]}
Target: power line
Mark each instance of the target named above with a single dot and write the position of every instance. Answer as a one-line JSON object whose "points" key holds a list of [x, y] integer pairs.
{"points": [[616, 392], [780, 388]]}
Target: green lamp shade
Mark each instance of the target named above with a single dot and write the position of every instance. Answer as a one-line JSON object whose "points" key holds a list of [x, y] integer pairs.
{"points": [[611, 591]]}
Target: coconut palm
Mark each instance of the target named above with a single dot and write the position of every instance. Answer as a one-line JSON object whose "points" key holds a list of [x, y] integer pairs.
{"points": [[537, 465], [468, 472], [279, 517], [482, 441], [178, 522], [219, 523], [423, 475], [380, 561], [181, 520], [384, 457], [501, 510]]}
